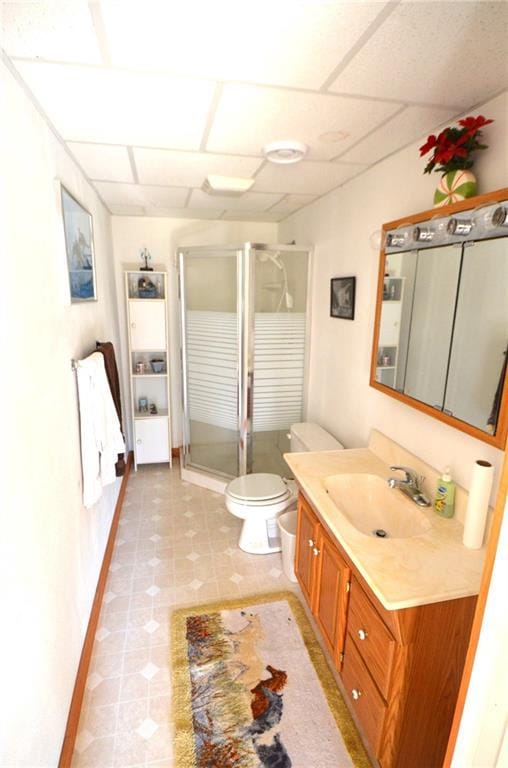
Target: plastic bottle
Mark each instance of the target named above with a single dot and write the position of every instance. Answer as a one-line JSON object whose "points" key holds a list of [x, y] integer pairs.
{"points": [[444, 502]]}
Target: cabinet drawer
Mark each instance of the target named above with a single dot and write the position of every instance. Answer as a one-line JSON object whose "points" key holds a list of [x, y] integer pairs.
{"points": [[363, 695], [373, 640]]}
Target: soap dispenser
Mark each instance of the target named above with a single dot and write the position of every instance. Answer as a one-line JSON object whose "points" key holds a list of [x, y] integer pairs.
{"points": [[444, 502]]}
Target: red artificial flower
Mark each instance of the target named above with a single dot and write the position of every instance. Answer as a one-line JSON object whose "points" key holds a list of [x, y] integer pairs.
{"points": [[429, 144], [473, 124], [453, 147], [448, 153]]}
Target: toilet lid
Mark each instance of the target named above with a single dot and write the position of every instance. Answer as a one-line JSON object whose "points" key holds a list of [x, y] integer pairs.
{"points": [[260, 486]]}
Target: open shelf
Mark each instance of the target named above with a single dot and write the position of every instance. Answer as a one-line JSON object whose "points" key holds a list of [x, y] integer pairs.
{"points": [[162, 413]]}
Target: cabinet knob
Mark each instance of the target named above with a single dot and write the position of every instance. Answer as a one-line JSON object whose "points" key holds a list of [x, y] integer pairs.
{"points": [[311, 543], [355, 693], [315, 551], [362, 634]]}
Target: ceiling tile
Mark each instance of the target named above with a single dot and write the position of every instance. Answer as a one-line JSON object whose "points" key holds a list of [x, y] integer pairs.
{"points": [[292, 203], [305, 178], [281, 43], [451, 53], [411, 124], [253, 216], [111, 107], [248, 117], [103, 162], [135, 194], [126, 210], [184, 213], [189, 169], [250, 201], [60, 30]]}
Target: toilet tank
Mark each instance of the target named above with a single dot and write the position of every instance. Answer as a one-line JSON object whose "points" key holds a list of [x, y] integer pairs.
{"points": [[307, 436]]}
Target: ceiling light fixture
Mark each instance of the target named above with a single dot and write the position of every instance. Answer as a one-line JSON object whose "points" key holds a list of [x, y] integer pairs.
{"points": [[285, 152], [226, 185]]}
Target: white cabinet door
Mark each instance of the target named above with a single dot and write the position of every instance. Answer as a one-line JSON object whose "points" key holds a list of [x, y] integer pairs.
{"points": [[151, 440], [389, 329], [147, 319]]}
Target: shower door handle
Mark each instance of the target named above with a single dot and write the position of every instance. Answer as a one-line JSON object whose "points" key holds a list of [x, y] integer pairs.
{"points": [[250, 396]]}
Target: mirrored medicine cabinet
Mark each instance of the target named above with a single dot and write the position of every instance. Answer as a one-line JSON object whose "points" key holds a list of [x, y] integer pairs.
{"points": [[441, 330]]}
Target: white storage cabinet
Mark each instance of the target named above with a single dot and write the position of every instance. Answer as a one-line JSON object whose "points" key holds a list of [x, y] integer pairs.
{"points": [[147, 333]]}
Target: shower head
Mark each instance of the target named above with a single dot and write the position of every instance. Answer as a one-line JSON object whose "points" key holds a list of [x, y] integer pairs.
{"points": [[265, 256]]}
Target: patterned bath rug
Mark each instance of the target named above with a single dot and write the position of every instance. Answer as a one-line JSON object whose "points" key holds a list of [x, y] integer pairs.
{"points": [[252, 689]]}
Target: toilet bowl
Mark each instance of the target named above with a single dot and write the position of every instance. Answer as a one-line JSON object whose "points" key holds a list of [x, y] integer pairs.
{"points": [[260, 498]]}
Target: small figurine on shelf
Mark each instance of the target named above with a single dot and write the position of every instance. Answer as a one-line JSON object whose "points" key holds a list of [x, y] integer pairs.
{"points": [[153, 408], [143, 405], [145, 256]]}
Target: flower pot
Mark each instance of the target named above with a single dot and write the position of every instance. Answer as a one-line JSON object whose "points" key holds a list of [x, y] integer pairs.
{"points": [[454, 187]]}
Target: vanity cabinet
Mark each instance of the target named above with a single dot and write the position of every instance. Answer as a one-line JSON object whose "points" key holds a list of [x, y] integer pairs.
{"points": [[324, 578], [400, 669]]}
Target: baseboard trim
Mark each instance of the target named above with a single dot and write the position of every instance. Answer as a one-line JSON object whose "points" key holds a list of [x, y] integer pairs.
{"points": [[84, 662]]}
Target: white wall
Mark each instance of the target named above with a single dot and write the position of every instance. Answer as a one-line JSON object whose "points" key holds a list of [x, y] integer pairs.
{"points": [[51, 548], [340, 225], [162, 236], [482, 740]]}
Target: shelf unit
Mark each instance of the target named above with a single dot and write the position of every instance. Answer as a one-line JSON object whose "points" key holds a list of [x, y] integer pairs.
{"points": [[147, 335], [389, 332]]}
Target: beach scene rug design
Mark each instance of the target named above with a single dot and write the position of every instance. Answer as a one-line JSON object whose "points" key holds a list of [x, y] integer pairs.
{"points": [[253, 690]]}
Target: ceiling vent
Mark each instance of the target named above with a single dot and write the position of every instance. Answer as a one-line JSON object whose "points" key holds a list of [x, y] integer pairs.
{"points": [[226, 185], [285, 152]]}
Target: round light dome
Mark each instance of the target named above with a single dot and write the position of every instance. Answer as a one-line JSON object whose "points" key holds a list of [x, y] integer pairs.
{"points": [[285, 152]]}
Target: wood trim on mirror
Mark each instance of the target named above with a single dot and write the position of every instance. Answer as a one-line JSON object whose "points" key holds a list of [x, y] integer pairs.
{"points": [[499, 439]]}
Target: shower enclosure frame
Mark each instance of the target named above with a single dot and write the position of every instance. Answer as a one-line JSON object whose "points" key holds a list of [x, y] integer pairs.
{"points": [[245, 278]]}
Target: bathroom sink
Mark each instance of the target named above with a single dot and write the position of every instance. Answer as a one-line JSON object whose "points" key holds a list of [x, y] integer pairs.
{"points": [[374, 508]]}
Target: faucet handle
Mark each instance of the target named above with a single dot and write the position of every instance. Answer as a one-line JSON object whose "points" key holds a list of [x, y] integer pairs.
{"points": [[411, 478]]}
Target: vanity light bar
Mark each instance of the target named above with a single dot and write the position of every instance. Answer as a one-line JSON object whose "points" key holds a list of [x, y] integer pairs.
{"points": [[396, 239], [459, 227], [486, 221], [500, 217], [423, 234]]}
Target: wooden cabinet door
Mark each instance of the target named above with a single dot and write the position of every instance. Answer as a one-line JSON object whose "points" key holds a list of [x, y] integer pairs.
{"points": [[332, 593], [147, 318], [306, 542]]}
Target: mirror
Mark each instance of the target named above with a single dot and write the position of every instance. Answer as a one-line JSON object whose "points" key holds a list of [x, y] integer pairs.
{"points": [[441, 335]]}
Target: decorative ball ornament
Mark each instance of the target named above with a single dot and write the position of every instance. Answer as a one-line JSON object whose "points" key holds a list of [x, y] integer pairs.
{"points": [[454, 187]]}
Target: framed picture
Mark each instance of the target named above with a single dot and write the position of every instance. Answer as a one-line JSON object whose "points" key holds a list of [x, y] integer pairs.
{"points": [[79, 248], [342, 297]]}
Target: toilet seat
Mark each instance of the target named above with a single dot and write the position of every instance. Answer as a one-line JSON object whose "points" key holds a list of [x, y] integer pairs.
{"points": [[258, 500], [261, 489]]}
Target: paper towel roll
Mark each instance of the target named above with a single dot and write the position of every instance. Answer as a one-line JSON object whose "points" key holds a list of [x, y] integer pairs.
{"points": [[478, 504]]}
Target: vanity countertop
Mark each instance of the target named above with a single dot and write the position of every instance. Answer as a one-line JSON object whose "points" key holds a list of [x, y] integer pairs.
{"points": [[428, 568]]}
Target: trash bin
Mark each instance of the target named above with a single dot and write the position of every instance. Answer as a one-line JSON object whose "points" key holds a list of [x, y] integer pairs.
{"points": [[287, 527]]}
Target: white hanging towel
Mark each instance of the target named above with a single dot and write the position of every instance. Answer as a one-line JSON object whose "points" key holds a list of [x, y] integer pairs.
{"points": [[101, 436]]}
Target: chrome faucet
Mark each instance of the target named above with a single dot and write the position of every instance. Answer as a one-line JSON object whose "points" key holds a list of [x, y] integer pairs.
{"points": [[411, 485]]}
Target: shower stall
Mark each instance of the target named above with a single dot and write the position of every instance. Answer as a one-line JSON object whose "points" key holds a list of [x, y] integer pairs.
{"points": [[244, 327]]}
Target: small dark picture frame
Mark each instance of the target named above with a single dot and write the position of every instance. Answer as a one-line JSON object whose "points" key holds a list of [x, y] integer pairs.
{"points": [[342, 297]]}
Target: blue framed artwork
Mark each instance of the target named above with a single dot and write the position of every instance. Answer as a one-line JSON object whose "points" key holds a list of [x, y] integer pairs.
{"points": [[78, 228]]}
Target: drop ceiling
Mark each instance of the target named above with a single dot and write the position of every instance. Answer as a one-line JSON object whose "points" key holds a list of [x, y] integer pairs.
{"points": [[152, 96]]}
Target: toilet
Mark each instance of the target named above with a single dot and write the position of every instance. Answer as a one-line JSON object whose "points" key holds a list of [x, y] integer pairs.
{"points": [[260, 498]]}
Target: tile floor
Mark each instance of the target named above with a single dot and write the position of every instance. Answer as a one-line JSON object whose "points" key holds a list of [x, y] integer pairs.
{"points": [[176, 545]]}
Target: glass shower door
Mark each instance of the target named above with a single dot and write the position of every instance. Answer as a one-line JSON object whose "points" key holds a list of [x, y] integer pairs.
{"points": [[279, 336], [210, 287]]}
